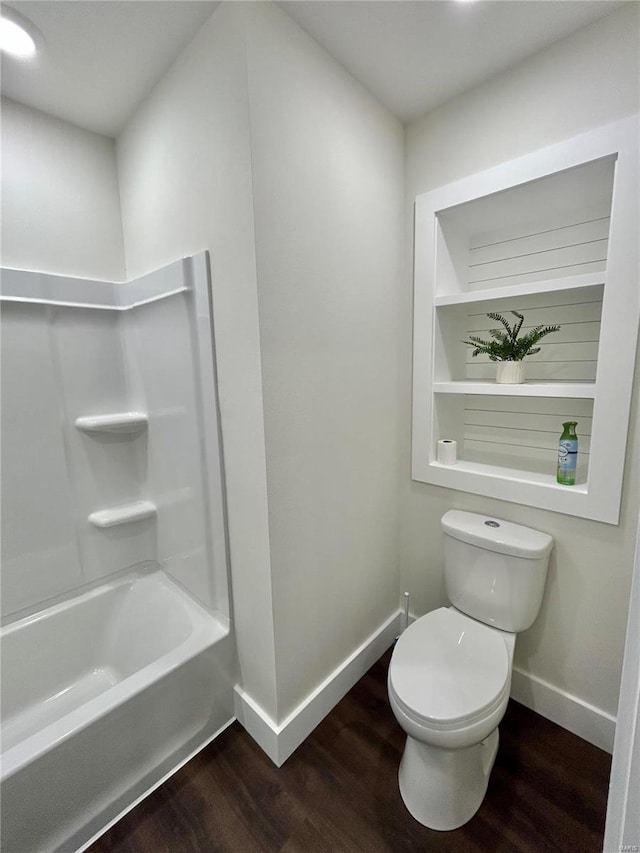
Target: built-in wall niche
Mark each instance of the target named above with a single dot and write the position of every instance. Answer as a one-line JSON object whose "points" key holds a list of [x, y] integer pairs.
{"points": [[551, 228], [514, 434], [552, 235], [567, 356]]}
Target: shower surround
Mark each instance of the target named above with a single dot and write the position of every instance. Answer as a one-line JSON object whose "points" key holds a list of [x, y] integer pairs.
{"points": [[116, 645]]}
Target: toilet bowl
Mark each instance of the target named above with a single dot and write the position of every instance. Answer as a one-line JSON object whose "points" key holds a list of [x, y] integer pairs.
{"points": [[448, 683], [450, 672]]}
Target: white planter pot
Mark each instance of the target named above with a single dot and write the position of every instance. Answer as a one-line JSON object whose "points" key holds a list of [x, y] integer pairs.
{"points": [[510, 372]]}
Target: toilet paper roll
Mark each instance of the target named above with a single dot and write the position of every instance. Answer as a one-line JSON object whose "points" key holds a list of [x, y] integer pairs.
{"points": [[447, 451]]}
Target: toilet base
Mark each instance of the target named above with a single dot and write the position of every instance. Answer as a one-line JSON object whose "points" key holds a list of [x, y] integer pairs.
{"points": [[444, 788]]}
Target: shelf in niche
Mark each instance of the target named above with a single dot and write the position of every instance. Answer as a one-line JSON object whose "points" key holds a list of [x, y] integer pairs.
{"points": [[556, 285], [123, 514], [526, 478], [124, 423], [579, 390]]}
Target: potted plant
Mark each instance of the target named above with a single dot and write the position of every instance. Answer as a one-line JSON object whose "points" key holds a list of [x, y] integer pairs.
{"points": [[508, 349]]}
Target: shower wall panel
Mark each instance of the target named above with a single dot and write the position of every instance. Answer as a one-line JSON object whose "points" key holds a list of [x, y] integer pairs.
{"points": [[74, 349], [107, 470], [60, 363], [159, 346], [40, 555]]}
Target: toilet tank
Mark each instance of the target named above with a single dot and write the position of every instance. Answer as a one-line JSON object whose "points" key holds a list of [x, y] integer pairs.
{"points": [[495, 571]]}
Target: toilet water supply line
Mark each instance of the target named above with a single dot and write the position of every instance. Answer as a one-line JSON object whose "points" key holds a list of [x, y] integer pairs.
{"points": [[405, 614]]}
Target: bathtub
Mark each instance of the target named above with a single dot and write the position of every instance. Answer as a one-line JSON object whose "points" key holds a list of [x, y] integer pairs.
{"points": [[103, 696]]}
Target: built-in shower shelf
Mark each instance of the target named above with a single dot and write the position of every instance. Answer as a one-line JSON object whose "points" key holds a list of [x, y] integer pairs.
{"points": [[123, 514], [119, 422]]}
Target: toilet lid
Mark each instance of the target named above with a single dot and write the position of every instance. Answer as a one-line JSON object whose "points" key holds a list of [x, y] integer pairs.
{"points": [[447, 668]]}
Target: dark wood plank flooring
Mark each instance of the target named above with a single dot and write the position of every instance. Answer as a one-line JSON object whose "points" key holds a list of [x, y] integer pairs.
{"points": [[339, 792]]}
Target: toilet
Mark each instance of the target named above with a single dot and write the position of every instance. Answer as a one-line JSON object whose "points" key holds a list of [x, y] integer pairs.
{"points": [[450, 672]]}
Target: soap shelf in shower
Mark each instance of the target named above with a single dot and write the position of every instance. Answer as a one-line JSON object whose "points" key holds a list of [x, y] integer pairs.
{"points": [[123, 514], [119, 422]]}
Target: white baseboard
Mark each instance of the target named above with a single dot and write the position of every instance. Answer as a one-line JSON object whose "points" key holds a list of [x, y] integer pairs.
{"points": [[588, 722], [279, 740]]}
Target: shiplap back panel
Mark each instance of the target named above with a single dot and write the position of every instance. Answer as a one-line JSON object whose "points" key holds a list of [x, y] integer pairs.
{"points": [[523, 432], [569, 355], [526, 256]]}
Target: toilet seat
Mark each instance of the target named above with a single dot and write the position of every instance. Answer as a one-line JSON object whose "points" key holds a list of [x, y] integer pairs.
{"points": [[449, 671]]}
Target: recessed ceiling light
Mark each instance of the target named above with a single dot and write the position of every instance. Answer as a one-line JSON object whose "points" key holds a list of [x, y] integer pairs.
{"points": [[16, 36]]}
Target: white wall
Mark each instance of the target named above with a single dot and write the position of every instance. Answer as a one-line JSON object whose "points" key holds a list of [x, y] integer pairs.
{"points": [[327, 176], [60, 203], [306, 325], [580, 82]]}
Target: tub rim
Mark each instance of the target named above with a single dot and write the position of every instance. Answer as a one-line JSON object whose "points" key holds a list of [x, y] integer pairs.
{"points": [[207, 630]]}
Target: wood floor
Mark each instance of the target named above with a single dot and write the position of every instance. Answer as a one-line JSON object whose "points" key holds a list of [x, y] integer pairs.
{"points": [[339, 792]]}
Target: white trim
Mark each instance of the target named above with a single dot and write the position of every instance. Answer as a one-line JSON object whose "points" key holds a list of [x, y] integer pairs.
{"points": [[623, 813], [279, 740], [574, 714], [38, 288]]}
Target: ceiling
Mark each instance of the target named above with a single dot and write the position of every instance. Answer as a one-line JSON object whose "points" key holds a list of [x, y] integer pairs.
{"points": [[416, 55], [100, 58]]}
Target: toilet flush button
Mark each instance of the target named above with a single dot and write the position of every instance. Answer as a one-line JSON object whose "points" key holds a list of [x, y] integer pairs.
{"points": [[492, 524]]}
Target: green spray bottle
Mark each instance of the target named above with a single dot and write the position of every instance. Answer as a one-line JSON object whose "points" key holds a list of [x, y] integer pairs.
{"points": [[568, 454]]}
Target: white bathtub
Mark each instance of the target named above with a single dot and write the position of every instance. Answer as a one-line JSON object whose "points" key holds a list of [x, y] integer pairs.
{"points": [[102, 697]]}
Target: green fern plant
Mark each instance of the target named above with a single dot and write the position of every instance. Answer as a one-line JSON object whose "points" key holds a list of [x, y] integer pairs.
{"points": [[506, 345]]}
